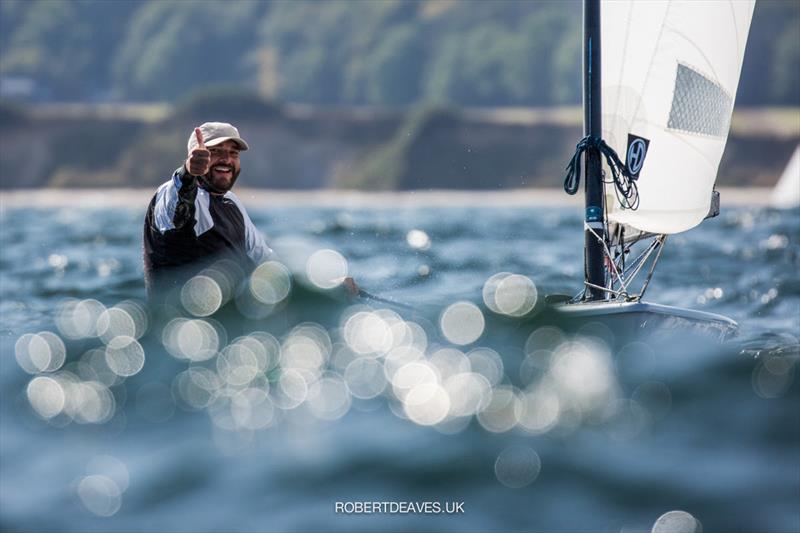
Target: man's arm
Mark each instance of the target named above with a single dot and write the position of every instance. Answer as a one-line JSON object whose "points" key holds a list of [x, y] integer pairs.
{"points": [[257, 249], [175, 203], [175, 206]]}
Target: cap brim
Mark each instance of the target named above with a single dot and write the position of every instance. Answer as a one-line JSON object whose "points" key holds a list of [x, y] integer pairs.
{"points": [[238, 140]]}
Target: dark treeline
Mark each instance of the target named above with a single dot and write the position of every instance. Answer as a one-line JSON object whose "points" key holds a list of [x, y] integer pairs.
{"points": [[358, 52]]}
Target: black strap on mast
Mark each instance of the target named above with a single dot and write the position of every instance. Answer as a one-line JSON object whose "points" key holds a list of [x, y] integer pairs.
{"points": [[595, 229]]}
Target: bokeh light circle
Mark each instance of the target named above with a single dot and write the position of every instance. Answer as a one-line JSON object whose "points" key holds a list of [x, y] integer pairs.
{"points": [[677, 522], [46, 396], [40, 352], [115, 322], [329, 398], [515, 295], [503, 411], [100, 495], [201, 296], [124, 356], [427, 404], [418, 239], [270, 283], [112, 468], [469, 393], [77, 319], [488, 363], [462, 323], [326, 268], [517, 466], [365, 378]]}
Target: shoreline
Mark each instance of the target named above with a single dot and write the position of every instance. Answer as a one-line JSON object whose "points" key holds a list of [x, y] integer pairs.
{"points": [[347, 199]]}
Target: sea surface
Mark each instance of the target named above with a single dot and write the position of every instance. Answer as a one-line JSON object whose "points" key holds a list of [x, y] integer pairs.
{"points": [[295, 407]]}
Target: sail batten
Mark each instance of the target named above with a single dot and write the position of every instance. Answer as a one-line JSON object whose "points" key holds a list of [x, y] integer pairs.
{"points": [[670, 73]]}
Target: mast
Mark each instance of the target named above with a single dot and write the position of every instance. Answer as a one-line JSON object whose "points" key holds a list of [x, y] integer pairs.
{"points": [[594, 269]]}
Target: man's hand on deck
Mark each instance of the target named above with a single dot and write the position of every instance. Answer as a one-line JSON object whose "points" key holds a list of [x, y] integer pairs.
{"points": [[351, 287]]}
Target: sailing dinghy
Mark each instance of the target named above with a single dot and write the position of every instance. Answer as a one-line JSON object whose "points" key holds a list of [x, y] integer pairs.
{"points": [[660, 79], [786, 194]]}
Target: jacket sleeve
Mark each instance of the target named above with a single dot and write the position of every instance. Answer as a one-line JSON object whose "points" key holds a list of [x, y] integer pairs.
{"points": [[256, 247], [175, 203]]}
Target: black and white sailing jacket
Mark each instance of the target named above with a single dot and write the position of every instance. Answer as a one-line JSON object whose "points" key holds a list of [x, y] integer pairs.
{"points": [[186, 229]]}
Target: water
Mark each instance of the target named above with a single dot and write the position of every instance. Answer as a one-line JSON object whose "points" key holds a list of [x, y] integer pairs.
{"points": [[617, 441]]}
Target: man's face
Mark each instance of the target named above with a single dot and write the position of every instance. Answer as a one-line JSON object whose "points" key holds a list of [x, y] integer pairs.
{"points": [[224, 167]]}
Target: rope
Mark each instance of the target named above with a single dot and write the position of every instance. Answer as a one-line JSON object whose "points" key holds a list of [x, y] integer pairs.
{"points": [[624, 183], [364, 294]]}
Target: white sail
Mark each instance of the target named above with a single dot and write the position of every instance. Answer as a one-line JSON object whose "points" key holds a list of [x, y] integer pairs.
{"points": [[670, 70], [786, 193]]}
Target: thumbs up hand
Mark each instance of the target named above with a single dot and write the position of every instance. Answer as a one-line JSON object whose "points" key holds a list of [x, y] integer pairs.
{"points": [[197, 164]]}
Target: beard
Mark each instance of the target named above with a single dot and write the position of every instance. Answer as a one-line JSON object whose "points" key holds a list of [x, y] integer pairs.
{"points": [[219, 185]]}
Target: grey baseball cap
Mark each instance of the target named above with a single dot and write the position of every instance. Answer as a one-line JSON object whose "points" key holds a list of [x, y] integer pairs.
{"points": [[215, 133]]}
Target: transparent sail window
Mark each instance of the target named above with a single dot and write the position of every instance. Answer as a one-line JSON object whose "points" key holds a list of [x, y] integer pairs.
{"points": [[699, 105]]}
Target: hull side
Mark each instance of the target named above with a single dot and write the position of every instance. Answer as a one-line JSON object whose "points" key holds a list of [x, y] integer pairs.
{"points": [[650, 320]]}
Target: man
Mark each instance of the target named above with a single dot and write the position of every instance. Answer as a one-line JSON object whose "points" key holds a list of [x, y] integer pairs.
{"points": [[195, 220]]}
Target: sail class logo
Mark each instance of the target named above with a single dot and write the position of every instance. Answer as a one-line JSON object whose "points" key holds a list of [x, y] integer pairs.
{"points": [[637, 151]]}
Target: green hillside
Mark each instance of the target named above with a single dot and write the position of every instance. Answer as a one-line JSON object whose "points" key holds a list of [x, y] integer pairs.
{"points": [[358, 52]]}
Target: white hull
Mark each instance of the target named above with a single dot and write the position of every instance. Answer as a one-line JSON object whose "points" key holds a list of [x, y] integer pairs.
{"points": [[648, 320]]}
